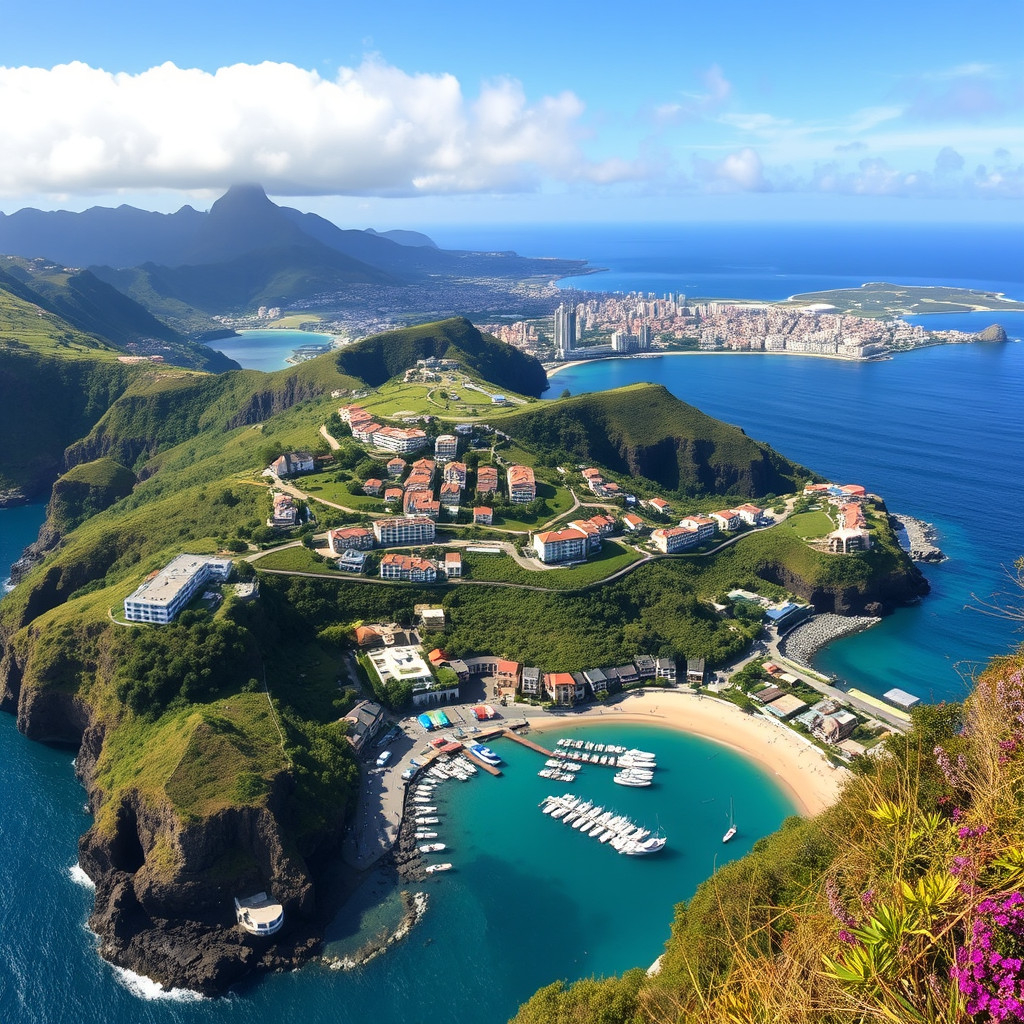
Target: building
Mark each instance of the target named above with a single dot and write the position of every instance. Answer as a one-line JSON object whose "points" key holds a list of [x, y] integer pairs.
{"points": [[348, 538], [372, 487], [632, 522], [393, 494], [453, 565], [163, 594], [399, 439], [522, 486], [352, 560], [404, 530], [696, 672], [486, 480], [596, 680], [838, 726], [285, 512], [644, 666], [560, 545], [665, 668], [407, 568], [530, 683], [405, 664], [364, 722], [704, 526], [451, 495], [659, 505], [431, 618], [507, 674], [483, 515], [455, 473], [676, 538], [292, 463], [396, 467], [565, 331], [750, 514], [592, 533], [727, 519], [561, 688], [420, 503], [446, 447]]}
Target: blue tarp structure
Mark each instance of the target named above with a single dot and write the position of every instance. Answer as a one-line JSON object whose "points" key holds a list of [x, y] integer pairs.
{"points": [[425, 721]]}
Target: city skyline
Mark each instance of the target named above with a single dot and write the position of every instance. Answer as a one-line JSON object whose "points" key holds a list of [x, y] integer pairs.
{"points": [[433, 116]]}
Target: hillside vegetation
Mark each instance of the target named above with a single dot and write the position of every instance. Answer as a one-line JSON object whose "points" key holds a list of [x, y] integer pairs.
{"points": [[644, 431], [378, 359]]}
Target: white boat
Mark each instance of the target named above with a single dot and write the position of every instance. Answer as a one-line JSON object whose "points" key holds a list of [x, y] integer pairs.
{"points": [[427, 821], [626, 779], [642, 848], [731, 831], [432, 847], [425, 834], [434, 868], [485, 754]]}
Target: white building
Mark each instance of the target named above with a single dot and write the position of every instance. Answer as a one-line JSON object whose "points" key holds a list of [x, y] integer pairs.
{"points": [[446, 447], [560, 545], [404, 530], [676, 538], [565, 331], [163, 595]]}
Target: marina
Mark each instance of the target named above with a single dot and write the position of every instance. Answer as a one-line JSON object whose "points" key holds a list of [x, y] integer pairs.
{"points": [[620, 832]]}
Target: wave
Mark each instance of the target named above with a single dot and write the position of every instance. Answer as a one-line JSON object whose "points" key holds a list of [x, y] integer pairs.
{"points": [[79, 877], [146, 988]]}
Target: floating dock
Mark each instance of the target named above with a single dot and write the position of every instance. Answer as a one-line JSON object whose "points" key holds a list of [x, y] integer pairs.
{"points": [[480, 763], [509, 734]]}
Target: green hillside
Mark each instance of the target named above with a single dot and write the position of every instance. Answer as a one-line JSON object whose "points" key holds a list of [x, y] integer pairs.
{"points": [[644, 431], [378, 359]]}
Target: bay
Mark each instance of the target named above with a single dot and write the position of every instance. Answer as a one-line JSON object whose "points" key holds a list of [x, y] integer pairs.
{"points": [[266, 350]]}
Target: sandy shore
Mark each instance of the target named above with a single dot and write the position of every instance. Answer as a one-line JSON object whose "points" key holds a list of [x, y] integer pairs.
{"points": [[799, 768]]}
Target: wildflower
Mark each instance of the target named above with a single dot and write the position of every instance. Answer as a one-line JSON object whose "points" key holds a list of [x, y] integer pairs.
{"points": [[867, 900], [835, 904], [987, 970], [845, 936]]}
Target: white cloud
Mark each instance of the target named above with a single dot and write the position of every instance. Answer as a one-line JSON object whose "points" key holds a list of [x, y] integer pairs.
{"points": [[371, 130]]}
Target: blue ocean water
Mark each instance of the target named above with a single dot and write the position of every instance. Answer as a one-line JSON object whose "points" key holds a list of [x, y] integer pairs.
{"points": [[266, 350], [938, 432]]}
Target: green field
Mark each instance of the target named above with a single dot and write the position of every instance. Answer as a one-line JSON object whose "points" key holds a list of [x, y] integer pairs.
{"points": [[500, 568], [809, 525]]}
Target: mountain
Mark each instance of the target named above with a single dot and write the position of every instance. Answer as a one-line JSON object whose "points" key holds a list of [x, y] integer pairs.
{"points": [[80, 300], [671, 443], [242, 221]]}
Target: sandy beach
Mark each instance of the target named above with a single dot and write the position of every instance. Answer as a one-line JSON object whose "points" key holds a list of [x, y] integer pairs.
{"points": [[798, 767]]}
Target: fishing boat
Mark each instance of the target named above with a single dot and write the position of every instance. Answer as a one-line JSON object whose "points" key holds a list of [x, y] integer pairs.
{"points": [[731, 831]]}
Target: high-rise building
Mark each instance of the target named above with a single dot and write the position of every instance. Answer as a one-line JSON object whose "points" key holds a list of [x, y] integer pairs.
{"points": [[565, 331], [645, 337]]}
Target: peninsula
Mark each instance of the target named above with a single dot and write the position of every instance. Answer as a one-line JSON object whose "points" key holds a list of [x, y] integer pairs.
{"points": [[220, 749]]}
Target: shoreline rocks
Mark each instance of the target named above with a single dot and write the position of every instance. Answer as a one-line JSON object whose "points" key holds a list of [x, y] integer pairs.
{"points": [[802, 643], [917, 538]]}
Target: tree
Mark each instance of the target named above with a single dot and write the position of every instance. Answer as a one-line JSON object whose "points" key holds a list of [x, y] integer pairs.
{"points": [[566, 393]]}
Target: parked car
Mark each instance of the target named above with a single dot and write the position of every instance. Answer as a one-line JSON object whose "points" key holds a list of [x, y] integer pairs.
{"points": [[383, 759]]}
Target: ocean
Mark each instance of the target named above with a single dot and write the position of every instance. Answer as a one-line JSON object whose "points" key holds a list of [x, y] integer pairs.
{"points": [[937, 432], [266, 350]]}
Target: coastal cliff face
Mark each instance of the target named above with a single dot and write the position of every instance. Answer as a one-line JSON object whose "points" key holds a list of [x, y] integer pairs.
{"points": [[880, 596], [165, 882]]}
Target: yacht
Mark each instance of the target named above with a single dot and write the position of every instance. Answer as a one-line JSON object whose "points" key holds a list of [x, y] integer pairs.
{"points": [[485, 754], [731, 831], [434, 868], [432, 847], [643, 847]]}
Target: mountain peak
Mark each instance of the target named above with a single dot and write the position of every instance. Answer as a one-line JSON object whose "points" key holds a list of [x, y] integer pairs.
{"points": [[242, 195]]}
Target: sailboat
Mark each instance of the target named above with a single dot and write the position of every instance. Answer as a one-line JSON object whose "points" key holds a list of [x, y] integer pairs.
{"points": [[732, 825]]}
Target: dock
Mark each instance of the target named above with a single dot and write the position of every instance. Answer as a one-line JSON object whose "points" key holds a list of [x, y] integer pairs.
{"points": [[480, 763], [509, 734]]}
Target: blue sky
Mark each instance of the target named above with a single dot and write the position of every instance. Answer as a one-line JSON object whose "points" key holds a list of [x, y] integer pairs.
{"points": [[415, 114]]}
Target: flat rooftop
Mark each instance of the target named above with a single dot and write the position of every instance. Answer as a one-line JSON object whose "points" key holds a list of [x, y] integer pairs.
{"points": [[165, 586]]}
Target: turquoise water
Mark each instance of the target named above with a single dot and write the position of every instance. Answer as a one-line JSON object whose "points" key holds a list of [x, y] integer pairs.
{"points": [[19, 527], [266, 350]]}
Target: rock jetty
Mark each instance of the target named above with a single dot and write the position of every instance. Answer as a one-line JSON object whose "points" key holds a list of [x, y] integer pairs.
{"points": [[917, 538], [801, 644]]}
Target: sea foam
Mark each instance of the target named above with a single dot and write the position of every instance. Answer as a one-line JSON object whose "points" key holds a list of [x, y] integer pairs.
{"points": [[79, 877], [146, 988]]}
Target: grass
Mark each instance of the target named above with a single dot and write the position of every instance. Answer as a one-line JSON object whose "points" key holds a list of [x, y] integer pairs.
{"points": [[808, 525], [500, 568], [297, 559]]}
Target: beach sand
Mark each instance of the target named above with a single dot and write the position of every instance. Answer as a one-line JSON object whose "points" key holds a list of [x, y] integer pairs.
{"points": [[799, 768]]}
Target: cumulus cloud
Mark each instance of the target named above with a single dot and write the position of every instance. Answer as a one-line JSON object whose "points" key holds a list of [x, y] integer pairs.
{"points": [[741, 171], [693, 105], [371, 130]]}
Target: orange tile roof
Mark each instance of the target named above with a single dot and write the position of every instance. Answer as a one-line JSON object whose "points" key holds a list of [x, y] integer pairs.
{"points": [[553, 536]]}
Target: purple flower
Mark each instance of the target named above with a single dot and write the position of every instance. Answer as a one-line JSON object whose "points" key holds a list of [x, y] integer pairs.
{"points": [[845, 936]]}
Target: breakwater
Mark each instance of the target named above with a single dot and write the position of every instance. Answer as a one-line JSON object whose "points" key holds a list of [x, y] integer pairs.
{"points": [[802, 643]]}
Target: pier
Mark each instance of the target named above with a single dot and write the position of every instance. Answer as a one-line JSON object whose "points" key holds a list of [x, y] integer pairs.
{"points": [[480, 763], [509, 734]]}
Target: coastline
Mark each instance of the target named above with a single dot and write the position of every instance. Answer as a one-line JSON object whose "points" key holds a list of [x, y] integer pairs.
{"points": [[798, 767]]}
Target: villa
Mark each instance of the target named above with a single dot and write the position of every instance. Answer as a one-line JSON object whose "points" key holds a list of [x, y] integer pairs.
{"points": [[294, 462], [562, 689], [352, 560], [396, 467], [750, 514], [372, 487], [364, 721], [483, 515], [453, 565], [632, 522], [285, 512], [728, 519], [486, 480], [530, 683], [659, 505]]}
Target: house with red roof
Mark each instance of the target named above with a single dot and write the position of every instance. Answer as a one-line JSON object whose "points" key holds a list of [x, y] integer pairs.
{"points": [[560, 545]]}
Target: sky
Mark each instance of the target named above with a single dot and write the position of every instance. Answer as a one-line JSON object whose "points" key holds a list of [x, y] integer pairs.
{"points": [[410, 114]]}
